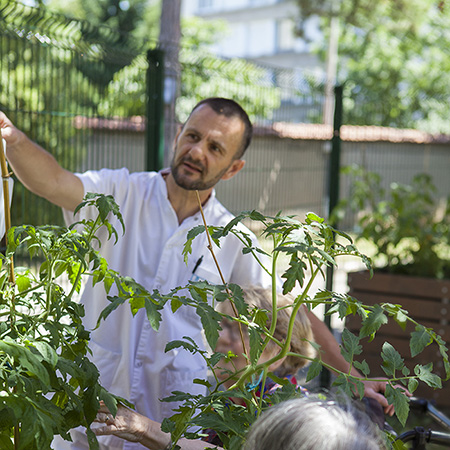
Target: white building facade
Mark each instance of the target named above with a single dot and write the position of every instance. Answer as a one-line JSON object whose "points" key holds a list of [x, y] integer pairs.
{"points": [[261, 30]]}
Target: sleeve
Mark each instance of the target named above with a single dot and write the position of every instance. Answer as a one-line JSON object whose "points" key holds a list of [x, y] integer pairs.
{"points": [[104, 181]]}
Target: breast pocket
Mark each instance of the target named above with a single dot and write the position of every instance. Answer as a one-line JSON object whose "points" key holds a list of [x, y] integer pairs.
{"points": [[211, 275]]}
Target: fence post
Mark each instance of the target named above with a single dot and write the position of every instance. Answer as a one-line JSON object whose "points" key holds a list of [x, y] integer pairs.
{"points": [[155, 110], [333, 198], [335, 157]]}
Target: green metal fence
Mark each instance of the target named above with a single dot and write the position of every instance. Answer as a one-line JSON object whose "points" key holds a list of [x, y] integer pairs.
{"points": [[92, 102], [60, 80], [73, 89]]}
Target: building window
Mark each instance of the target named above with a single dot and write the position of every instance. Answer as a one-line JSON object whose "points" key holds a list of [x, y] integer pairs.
{"points": [[285, 35], [205, 4]]}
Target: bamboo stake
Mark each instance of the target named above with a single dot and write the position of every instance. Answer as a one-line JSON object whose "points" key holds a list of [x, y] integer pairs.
{"points": [[210, 248], [5, 178]]}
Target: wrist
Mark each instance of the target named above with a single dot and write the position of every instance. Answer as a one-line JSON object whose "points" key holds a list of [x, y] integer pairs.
{"points": [[15, 140]]}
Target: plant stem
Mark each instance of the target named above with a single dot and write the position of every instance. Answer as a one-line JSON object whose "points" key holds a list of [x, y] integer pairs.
{"points": [[251, 251], [94, 228], [74, 285]]}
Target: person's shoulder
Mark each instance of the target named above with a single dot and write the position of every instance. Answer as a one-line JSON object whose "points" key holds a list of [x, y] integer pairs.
{"points": [[224, 216], [219, 211], [113, 181], [124, 176], [119, 172], [104, 175], [144, 177]]}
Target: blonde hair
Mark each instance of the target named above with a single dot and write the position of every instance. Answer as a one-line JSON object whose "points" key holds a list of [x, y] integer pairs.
{"points": [[302, 333]]}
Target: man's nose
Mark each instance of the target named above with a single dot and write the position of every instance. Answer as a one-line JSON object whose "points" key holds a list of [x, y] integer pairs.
{"points": [[197, 150]]}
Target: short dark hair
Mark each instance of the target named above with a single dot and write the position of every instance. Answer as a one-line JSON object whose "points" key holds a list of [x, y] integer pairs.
{"points": [[230, 108]]}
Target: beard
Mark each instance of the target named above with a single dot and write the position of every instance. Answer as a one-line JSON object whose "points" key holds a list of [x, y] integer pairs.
{"points": [[200, 184]]}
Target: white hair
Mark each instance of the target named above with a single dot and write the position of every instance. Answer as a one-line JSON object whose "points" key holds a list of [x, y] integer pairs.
{"points": [[307, 424]]}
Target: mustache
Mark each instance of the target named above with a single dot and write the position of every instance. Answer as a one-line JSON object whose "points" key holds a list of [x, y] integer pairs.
{"points": [[198, 165]]}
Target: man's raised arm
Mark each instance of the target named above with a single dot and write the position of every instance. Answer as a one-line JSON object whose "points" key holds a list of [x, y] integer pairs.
{"points": [[38, 170]]}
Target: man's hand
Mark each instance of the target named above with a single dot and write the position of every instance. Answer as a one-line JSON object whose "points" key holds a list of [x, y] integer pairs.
{"points": [[10, 133], [127, 424], [133, 427], [38, 170]]}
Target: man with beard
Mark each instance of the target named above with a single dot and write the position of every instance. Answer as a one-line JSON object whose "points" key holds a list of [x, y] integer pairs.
{"points": [[158, 209]]}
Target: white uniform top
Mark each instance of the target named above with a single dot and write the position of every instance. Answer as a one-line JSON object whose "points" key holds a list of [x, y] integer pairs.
{"points": [[127, 351]]}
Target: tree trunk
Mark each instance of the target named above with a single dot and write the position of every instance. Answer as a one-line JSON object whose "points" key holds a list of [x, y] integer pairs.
{"points": [[169, 41]]}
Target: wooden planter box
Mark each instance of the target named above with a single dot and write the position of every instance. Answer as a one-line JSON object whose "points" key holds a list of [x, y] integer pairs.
{"points": [[426, 300]]}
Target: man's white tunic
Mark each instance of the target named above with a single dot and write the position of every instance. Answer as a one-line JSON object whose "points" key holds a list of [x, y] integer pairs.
{"points": [[127, 351]]}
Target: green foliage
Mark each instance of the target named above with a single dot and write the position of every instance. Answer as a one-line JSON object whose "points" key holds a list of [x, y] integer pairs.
{"points": [[401, 58], [407, 224], [48, 384], [136, 17], [110, 26], [311, 247], [44, 88], [202, 75]]}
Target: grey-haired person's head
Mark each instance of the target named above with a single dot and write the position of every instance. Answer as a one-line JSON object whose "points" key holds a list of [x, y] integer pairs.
{"points": [[310, 424]]}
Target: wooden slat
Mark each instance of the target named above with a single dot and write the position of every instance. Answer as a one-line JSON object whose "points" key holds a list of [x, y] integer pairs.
{"points": [[392, 328], [381, 282], [428, 303], [418, 308]]}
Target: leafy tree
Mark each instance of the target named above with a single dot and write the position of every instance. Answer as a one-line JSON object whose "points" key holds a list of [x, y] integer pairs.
{"points": [[202, 75], [205, 75], [109, 25], [396, 51], [43, 89], [136, 17]]}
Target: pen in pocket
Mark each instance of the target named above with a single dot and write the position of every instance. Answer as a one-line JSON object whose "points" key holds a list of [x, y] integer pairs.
{"points": [[197, 264]]}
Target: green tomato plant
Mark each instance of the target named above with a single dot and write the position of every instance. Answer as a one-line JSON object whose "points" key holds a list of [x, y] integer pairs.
{"points": [[49, 386], [310, 247], [47, 383]]}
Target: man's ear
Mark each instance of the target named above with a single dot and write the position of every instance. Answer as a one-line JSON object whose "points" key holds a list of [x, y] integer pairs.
{"points": [[236, 166]]}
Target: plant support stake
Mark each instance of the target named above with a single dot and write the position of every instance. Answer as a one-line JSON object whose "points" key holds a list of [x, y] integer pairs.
{"points": [[5, 176], [210, 248]]}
